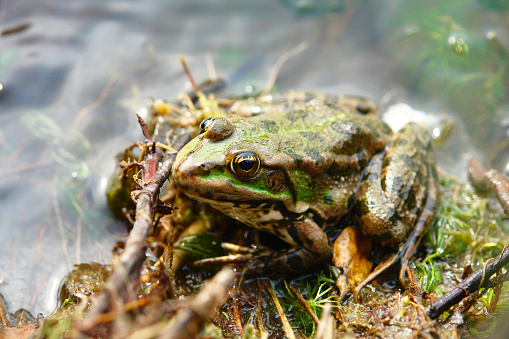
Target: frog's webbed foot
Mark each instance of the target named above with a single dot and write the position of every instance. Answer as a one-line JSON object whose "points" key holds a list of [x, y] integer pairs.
{"points": [[240, 256], [310, 247]]}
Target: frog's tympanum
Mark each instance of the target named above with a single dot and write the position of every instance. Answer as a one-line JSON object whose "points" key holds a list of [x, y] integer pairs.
{"points": [[295, 163]]}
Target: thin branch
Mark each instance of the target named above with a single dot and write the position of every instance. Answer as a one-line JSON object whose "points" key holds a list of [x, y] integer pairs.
{"points": [[237, 323], [284, 320], [304, 304], [475, 281], [133, 256], [189, 75], [144, 128], [325, 329], [190, 319], [96, 103], [279, 64]]}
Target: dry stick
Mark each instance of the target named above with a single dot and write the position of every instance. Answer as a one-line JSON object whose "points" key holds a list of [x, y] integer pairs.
{"points": [[325, 328], [287, 328], [133, 256], [96, 103], [258, 316], [193, 316], [144, 128], [189, 76], [236, 317], [304, 304], [280, 62], [476, 280]]}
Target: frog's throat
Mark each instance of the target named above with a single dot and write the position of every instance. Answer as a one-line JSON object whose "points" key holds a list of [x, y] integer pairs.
{"points": [[294, 207]]}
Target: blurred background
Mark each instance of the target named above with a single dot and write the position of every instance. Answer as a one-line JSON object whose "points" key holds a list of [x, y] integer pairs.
{"points": [[74, 72]]}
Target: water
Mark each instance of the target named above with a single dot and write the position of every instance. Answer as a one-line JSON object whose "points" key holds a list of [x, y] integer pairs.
{"points": [[75, 76]]}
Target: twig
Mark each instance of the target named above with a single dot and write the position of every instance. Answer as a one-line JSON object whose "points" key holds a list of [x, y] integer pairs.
{"points": [[143, 126], [286, 324], [188, 73], [304, 303], [476, 174], [259, 317], [236, 317], [96, 103], [210, 66], [325, 329], [190, 319], [280, 62], [133, 256], [472, 283], [15, 29], [27, 168], [484, 180]]}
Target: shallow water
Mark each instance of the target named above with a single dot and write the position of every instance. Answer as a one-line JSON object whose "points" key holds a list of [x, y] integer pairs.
{"points": [[75, 76]]}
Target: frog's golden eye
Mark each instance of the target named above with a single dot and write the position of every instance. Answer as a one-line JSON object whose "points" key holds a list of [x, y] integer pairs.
{"points": [[245, 165], [205, 124]]}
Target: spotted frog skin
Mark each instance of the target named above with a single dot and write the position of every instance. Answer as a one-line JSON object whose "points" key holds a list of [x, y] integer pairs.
{"points": [[295, 163]]}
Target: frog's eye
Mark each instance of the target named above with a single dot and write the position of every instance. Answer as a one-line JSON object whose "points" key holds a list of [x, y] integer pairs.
{"points": [[363, 108], [205, 124], [245, 165]]}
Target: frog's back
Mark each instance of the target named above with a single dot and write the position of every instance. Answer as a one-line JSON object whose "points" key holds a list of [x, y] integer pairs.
{"points": [[321, 147], [319, 136]]}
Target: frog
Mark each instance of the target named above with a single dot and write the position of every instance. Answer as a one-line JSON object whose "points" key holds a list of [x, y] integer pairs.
{"points": [[296, 163]]}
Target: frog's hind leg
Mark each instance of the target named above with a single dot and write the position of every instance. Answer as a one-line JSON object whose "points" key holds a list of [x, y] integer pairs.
{"points": [[397, 197], [405, 252], [421, 227], [408, 248]]}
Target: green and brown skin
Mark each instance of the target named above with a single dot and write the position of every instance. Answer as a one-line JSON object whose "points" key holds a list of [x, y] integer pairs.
{"points": [[292, 164]]}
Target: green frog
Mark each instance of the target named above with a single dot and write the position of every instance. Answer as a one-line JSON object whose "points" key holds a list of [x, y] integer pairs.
{"points": [[295, 163]]}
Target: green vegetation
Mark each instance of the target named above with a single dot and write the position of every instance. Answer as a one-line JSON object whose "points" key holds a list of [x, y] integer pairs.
{"points": [[447, 54]]}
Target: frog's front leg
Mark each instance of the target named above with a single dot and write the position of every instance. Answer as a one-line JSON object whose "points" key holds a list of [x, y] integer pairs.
{"points": [[398, 196], [310, 247]]}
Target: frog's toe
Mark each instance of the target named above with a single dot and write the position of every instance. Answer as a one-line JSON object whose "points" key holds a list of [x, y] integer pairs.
{"points": [[343, 286], [421, 226], [384, 266], [406, 252], [234, 259], [402, 257]]}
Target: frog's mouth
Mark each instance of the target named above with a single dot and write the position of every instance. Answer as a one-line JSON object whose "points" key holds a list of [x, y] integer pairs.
{"points": [[207, 183]]}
